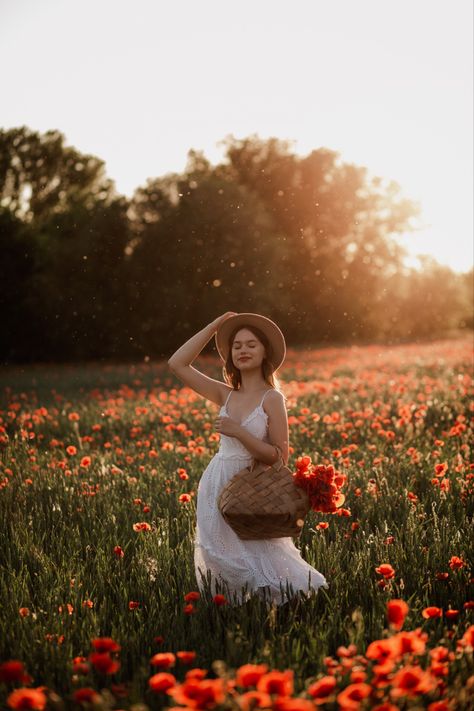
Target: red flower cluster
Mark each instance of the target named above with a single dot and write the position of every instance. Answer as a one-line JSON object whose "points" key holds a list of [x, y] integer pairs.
{"points": [[321, 483]]}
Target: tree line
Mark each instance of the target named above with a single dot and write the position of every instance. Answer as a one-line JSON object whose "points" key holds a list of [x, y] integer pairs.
{"points": [[309, 241]]}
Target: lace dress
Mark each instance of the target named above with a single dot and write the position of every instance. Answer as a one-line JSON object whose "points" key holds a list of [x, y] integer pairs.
{"points": [[272, 568]]}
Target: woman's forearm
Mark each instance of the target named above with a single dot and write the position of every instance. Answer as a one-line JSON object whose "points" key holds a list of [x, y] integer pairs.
{"points": [[262, 451], [192, 348]]}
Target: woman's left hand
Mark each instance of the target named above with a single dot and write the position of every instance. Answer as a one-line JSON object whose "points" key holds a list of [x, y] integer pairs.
{"points": [[227, 426]]}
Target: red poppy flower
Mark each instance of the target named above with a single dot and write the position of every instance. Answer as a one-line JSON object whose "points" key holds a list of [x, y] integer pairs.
{"points": [[411, 681], [161, 681], [440, 654], [219, 600], [142, 526], [322, 688], [199, 694], [13, 670], [467, 640], [254, 699], [358, 675], [411, 641], [346, 652], [397, 610], [298, 704], [249, 674], [87, 695], [383, 649], [192, 596], [430, 612], [386, 570], [353, 694], [105, 644], [104, 663], [276, 682], [186, 657], [163, 659], [441, 468], [80, 666], [456, 563], [321, 483], [451, 614], [27, 699]]}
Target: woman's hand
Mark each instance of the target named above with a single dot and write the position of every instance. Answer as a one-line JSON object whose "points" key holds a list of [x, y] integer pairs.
{"points": [[227, 426], [220, 319]]}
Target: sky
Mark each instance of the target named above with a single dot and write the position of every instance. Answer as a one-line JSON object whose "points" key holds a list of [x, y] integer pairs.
{"points": [[387, 84]]}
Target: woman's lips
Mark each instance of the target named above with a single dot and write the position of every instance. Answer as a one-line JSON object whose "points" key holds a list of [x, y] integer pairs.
{"points": [[244, 359]]}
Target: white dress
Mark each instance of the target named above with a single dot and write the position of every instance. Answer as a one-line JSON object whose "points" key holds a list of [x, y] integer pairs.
{"points": [[272, 568]]}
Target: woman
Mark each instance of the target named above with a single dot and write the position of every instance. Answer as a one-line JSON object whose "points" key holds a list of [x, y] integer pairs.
{"points": [[251, 421]]}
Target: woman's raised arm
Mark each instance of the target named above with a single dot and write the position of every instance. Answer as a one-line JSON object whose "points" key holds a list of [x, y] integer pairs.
{"points": [[180, 363]]}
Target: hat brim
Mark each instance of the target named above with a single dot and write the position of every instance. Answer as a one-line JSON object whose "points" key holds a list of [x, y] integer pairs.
{"points": [[268, 326]]}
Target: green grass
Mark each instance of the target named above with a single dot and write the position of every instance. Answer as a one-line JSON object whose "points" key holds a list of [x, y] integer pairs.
{"points": [[58, 540]]}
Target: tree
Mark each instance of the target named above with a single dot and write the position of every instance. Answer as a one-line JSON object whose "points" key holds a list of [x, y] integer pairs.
{"points": [[205, 244], [308, 241], [338, 227], [17, 267], [40, 176]]}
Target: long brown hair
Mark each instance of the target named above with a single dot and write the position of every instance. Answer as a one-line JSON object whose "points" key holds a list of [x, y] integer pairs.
{"points": [[232, 374]]}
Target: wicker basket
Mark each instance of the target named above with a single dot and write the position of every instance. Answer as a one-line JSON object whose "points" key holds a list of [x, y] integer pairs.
{"points": [[263, 502]]}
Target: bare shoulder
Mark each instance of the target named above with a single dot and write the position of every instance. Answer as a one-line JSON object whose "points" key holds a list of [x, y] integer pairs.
{"points": [[223, 393], [274, 401], [225, 390]]}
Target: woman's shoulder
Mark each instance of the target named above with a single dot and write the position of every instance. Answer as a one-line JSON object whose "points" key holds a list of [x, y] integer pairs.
{"points": [[279, 391], [277, 394]]}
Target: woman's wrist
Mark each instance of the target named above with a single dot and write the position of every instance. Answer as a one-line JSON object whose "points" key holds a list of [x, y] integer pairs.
{"points": [[220, 319], [214, 326], [190, 350]]}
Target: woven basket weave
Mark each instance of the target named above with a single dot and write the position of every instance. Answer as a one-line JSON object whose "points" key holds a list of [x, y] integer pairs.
{"points": [[263, 502]]}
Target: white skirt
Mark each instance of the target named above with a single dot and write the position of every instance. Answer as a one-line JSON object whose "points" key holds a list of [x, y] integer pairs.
{"points": [[272, 568]]}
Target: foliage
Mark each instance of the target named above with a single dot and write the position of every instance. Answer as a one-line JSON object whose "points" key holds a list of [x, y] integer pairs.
{"points": [[308, 241]]}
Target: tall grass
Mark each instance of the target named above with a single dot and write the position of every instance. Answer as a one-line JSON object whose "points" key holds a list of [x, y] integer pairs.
{"points": [[406, 410]]}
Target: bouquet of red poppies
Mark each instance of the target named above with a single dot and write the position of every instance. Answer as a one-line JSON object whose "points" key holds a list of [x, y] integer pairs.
{"points": [[321, 483]]}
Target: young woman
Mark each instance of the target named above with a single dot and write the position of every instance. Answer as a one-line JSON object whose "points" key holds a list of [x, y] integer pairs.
{"points": [[252, 419]]}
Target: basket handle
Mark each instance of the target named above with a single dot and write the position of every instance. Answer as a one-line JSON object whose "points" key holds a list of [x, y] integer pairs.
{"points": [[279, 462]]}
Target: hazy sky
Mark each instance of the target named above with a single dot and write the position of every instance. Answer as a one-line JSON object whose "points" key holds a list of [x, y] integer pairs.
{"points": [[385, 83]]}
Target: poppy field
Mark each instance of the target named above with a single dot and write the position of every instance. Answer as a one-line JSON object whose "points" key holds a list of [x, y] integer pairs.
{"points": [[100, 607]]}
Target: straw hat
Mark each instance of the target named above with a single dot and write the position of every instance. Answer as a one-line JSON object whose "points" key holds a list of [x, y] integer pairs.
{"points": [[269, 328]]}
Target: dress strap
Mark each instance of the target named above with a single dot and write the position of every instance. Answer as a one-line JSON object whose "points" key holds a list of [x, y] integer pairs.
{"points": [[263, 398], [227, 400]]}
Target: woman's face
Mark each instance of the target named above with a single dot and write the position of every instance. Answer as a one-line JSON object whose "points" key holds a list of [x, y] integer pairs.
{"points": [[246, 345]]}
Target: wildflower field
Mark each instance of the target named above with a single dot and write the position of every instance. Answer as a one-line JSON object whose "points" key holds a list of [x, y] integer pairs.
{"points": [[99, 604]]}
